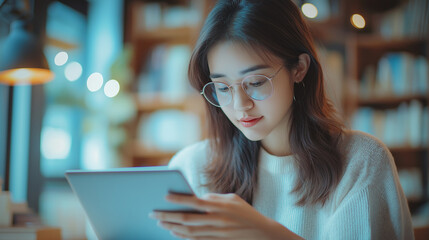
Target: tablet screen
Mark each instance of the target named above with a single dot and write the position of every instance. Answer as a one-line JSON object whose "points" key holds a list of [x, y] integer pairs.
{"points": [[118, 201]]}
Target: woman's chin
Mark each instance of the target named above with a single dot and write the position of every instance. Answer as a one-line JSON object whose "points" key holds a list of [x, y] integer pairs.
{"points": [[253, 136]]}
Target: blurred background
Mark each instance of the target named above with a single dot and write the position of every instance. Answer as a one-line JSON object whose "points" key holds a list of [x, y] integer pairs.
{"points": [[120, 95]]}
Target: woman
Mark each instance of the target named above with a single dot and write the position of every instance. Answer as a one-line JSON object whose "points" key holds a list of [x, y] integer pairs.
{"points": [[278, 164]]}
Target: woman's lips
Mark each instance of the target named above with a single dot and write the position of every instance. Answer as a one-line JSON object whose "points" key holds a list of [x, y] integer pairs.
{"points": [[249, 121]]}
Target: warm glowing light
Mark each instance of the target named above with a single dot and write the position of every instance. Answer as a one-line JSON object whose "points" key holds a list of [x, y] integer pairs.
{"points": [[73, 71], [309, 10], [357, 21], [55, 143], [61, 58], [94, 82], [22, 76], [111, 88]]}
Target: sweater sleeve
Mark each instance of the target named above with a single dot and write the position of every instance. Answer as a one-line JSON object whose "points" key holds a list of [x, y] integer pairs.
{"points": [[368, 214], [372, 204], [191, 161]]}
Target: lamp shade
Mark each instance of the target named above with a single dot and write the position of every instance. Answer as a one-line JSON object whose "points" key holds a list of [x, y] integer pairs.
{"points": [[21, 58]]}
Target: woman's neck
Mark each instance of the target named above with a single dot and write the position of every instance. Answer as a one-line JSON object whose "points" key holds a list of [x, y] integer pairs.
{"points": [[277, 149], [277, 142]]}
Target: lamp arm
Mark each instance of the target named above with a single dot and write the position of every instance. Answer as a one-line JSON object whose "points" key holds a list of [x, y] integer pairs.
{"points": [[8, 139]]}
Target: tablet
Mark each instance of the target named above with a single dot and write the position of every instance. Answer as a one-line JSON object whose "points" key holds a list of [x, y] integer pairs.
{"points": [[118, 201]]}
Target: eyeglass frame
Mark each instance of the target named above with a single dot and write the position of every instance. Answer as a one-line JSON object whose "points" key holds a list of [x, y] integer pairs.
{"points": [[242, 87]]}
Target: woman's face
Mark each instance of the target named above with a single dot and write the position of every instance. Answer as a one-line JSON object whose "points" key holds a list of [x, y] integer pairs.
{"points": [[265, 120]]}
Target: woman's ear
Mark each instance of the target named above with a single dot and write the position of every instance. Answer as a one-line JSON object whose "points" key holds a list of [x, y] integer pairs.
{"points": [[301, 69]]}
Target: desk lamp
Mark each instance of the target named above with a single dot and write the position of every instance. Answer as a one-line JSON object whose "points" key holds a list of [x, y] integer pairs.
{"points": [[22, 62]]}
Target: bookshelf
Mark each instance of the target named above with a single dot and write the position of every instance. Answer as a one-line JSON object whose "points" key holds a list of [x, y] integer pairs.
{"points": [[143, 155], [361, 50], [376, 96], [161, 85]]}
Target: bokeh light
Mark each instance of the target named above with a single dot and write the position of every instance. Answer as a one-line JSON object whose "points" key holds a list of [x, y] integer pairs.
{"points": [[61, 58], [357, 21], [111, 88], [309, 10], [73, 71], [94, 82]]}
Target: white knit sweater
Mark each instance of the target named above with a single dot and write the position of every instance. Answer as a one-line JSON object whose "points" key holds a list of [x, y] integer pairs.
{"points": [[368, 203]]}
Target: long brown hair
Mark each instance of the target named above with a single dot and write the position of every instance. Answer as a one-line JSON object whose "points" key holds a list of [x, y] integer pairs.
{"points": [[276, 27]]}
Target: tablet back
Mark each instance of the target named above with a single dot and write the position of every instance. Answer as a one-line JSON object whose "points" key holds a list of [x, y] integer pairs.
{"points": [[118, 201]]}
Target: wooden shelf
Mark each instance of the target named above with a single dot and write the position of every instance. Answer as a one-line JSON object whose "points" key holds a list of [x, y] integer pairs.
{"points": [[378, 42], [367, 50], [390, 101], [167, 34], [173, 2], [409, 157], [408, 149], [415, 204], [157, 102], [144, 156], [147, 153], [60, 43], [421, 232]]}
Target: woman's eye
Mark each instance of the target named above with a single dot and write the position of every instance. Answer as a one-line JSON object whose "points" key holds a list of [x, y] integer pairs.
{"points": [[257, 83], [222, 89]]}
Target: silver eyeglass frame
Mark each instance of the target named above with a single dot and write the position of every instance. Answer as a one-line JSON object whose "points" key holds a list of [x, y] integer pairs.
{"points": [[242, 87]]}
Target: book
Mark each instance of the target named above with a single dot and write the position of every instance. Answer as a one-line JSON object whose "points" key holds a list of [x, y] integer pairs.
{"points": [[410, 19], [5, 209], [165, 73], [30, 233], [405, 125]]}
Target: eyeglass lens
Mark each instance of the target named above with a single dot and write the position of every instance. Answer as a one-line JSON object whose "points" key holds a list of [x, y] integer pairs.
{"points": [[256, 87]]}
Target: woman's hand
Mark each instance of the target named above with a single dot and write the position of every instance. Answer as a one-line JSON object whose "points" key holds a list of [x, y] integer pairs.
{"points": [[226, 216]]}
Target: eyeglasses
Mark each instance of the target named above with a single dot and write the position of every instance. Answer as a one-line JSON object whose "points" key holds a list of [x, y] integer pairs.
{"points": [[257, 87]]}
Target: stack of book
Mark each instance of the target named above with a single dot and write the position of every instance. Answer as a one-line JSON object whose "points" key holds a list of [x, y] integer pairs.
{"points": [[165, 73], [17, 222], [30, 233], [153, 15], [411, 19], [406, 125], [396, 74]]}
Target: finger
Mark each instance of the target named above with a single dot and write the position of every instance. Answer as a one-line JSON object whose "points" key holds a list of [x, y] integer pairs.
{"points": [[219, 196], [205, 205], [179, 235], [195, 238], [197, 231], [213, 219]]}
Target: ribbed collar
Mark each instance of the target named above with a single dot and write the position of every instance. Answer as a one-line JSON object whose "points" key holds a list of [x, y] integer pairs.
{"points": [[275, 164]]}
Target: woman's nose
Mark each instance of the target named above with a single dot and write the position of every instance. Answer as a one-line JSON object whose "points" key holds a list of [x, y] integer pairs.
{"points": [[241, 101]]}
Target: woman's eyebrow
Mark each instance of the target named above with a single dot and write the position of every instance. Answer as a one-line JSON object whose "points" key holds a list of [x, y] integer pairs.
{"points": [[242, 72], [254, 68], [216, 75]]}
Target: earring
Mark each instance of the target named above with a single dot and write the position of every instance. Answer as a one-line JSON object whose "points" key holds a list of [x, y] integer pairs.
{"points": [[294, 99]]}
